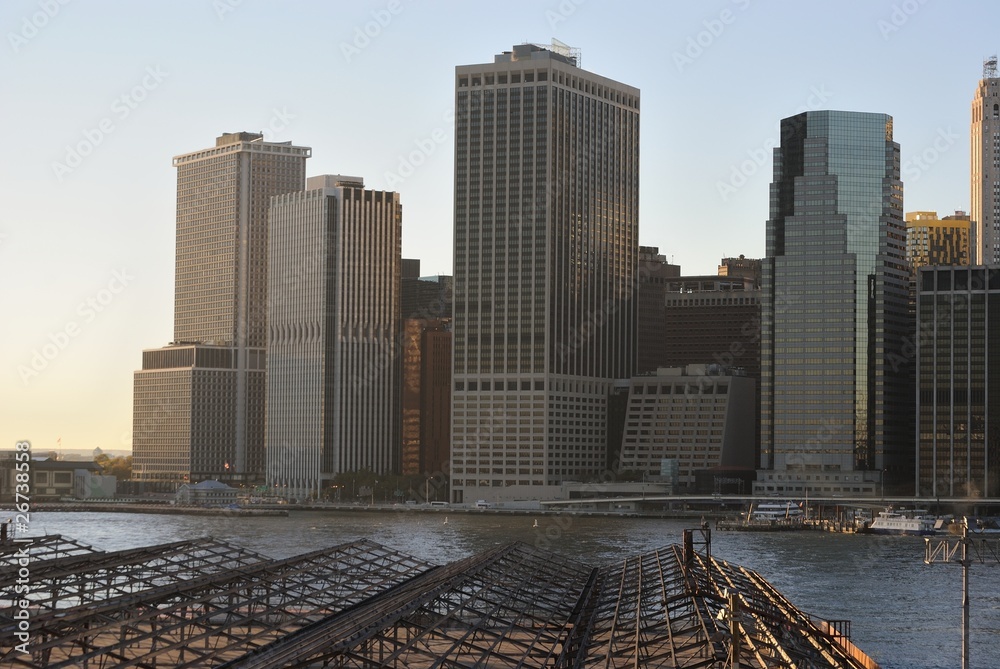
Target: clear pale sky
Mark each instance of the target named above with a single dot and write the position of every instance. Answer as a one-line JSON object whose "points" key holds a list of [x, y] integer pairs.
{"points": [[99, 96]]}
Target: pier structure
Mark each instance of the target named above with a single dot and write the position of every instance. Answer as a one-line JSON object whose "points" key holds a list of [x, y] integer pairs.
{"points": [[206, 602]]}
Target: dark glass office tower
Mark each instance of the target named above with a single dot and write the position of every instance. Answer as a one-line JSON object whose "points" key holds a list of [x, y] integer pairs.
{"points": [[836, 406], [958, 382]]}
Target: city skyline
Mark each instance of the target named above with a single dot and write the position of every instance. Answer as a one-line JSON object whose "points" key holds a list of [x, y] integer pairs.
{"points": [[88, 240]]}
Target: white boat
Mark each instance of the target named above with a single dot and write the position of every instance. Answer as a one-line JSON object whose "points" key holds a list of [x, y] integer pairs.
{"points": [[895, 522], [777, 511]]}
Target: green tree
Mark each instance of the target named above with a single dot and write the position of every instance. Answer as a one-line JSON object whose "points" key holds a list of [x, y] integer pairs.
{"points": [[120, 467]]}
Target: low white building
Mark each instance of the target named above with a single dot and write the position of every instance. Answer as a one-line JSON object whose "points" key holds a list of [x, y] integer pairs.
{"points": [[206, 493]]}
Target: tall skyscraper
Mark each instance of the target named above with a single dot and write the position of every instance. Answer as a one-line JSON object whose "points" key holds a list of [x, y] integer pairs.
{"points": [[985, 167], [836, 409], [223, 195], [546, 243], [220, 317], [958, 382], [333, 394]]}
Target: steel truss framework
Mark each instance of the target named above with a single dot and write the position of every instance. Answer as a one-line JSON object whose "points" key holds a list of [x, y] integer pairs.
{"points": [[208, 603]]}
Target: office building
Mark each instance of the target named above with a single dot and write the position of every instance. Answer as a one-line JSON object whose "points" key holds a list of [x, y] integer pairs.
{"points": [[546, 243], [333, 393], [715, 320], [425, 297], [837, 406], [743, 267], [958, 382], [426, 352], [426, 396], [651, 323], [712, 319], [934, 241], [700, 417], [185, 395], [220, 302], [985, 167]]}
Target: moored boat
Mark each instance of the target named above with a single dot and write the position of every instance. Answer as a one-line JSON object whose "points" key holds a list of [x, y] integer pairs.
{"points": [[777, 511], [896, 522]]}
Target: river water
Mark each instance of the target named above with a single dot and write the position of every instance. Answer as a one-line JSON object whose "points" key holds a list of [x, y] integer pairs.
{"points": [[905, 614]]}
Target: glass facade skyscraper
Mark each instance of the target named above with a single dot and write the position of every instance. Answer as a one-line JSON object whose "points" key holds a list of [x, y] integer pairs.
{"points": [[546, 244], [835, 395], [958, 382]]}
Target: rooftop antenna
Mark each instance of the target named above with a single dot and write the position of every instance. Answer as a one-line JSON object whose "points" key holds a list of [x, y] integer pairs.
{"points": [[563, 49], [990, 67]]}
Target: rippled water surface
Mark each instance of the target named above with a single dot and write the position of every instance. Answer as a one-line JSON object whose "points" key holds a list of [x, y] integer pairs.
{"points": [[905, 614]]}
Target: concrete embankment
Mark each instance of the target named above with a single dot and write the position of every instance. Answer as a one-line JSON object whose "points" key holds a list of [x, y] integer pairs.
{"points": [[98, 507]]}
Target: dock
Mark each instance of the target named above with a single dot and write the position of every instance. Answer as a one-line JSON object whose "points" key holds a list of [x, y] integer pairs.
{"points": [[760, 525], [210, 603], [814, 525], [171, 509]]}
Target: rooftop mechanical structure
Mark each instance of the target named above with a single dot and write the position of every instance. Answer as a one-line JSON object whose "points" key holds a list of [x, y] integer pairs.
{"points": [[208, 603]]}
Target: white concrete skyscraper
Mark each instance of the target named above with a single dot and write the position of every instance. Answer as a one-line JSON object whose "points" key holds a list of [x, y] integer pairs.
{"points": [[546, 247], [333, 391], [985, 168]]}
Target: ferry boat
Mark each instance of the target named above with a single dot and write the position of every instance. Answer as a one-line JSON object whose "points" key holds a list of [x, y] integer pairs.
{"points": [[894, 522], [777, 511]]}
